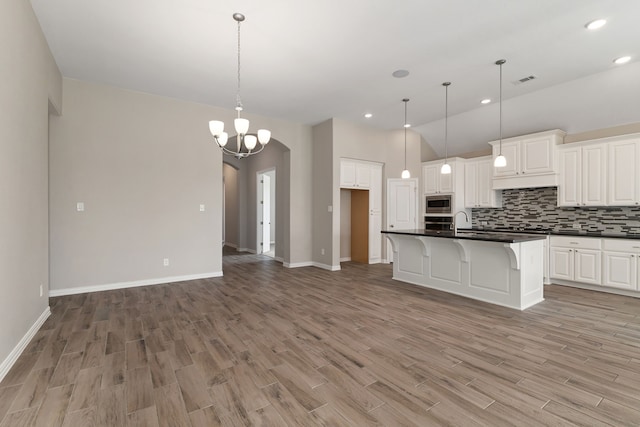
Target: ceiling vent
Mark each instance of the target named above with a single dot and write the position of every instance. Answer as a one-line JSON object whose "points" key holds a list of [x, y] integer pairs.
{"points": [[525, 79]]}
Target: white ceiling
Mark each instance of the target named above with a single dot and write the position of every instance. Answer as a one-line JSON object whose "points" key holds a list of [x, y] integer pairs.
{"points": [[313, 60]]}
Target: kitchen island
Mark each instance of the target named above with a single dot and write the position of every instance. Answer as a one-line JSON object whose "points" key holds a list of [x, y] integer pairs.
{"points": [[499, 268]]}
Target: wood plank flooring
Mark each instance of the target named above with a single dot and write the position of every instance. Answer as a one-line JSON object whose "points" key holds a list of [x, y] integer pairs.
{"points": [[265, 345]]}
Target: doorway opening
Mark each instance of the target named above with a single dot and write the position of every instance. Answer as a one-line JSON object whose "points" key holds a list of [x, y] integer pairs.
{"points": [[266, 212]]}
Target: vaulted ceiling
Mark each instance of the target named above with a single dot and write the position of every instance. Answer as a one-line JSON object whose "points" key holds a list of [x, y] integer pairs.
{"points": [[310, 61]]}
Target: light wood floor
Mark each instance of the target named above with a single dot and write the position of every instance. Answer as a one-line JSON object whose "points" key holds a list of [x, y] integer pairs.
{"points": [[267, 345]]}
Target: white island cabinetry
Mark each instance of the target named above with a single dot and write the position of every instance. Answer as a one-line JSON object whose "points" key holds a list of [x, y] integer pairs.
{"points": [[507, 273]]}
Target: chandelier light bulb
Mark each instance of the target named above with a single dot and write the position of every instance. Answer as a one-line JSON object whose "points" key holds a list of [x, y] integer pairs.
{"points": [[222, 139], [250, 141], [446, 169], [264, 136], [406, 174], [216, 127]]}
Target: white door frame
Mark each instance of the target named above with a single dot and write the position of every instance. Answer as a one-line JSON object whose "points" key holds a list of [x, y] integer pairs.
{"points": [[259, 233]]}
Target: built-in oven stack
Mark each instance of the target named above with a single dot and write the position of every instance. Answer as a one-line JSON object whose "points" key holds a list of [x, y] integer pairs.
{"points": [[440, 213]]}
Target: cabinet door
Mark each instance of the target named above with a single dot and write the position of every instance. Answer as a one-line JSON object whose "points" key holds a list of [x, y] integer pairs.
{"points": [[363, 175], [445, 182], [536, 155], [587, 266], [347, 174], [430, 177], [570, 188], [486, 195], [470, 185], [561, 263], [594, 177], [623, 173], [510, 151], [620, 270]]}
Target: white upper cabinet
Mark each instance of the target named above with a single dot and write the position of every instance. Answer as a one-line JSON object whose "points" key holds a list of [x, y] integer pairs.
{"points": [[478, 192], [355, 174], [583, 175], [531, 160], [435, 182], [623, 173]]}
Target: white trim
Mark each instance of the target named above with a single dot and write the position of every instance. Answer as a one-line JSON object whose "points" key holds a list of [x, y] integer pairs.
{"points": [[231, 245], [7, 363], [345, 259], [312, 264], [298, 264], [133, 284], [279, 259], [251, 251]]}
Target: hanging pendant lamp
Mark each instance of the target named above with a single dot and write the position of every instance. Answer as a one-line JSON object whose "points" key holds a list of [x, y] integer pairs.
{"points": [[405, 173], [500, 161], [446, 167]]}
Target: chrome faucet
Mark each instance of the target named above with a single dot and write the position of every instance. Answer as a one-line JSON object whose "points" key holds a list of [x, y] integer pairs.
{"points": [[466, 217]]}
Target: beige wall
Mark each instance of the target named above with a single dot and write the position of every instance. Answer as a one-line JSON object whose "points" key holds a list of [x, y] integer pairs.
{"points": [[143, 164], [334, 139], [30, 82]]}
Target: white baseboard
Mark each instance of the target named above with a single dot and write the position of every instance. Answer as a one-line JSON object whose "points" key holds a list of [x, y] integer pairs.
{"points": [[345, 259], [279, 259], [231, 245], [312, 264], [251, 251], [298, 264], [133, 284], [7, 363]]}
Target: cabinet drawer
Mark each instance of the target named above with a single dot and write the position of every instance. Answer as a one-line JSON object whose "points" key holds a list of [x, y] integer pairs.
{"points": [[621, 245], [576, 242]]}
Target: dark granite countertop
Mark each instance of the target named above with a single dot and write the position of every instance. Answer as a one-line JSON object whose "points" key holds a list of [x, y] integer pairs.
{"points": [[471, 234], [567, 232]]}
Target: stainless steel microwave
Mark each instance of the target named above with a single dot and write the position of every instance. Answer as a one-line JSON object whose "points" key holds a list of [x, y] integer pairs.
{"points": [[440, 204]]}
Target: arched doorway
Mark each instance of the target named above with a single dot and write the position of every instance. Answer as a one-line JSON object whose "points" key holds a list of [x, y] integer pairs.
{"points": [[241, 189]]}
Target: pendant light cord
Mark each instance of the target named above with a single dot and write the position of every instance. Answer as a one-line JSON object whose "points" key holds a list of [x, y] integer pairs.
{"points": [[405, 133], [446, 120], [501, 109]]}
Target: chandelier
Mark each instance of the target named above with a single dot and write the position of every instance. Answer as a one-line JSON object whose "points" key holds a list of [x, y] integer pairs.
{"points": [[245, 142]]}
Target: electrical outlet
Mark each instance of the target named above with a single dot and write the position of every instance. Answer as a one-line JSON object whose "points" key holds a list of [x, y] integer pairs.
{"points": [[165, 262], [577, 225], [201, 208], [80, 206], [322, 251]]}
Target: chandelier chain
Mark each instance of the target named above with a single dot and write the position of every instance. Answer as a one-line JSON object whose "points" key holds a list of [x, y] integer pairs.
{"points": [[238, 99]]}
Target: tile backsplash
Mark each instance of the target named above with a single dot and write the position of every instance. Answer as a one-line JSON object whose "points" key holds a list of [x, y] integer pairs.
{"points": [[537, 208]]}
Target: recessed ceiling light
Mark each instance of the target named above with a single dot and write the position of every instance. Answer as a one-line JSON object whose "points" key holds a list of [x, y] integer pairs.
{"points": [[622, 60], [368, 115], [485, 101], [407, 125], [594, 25], [400, 74]]}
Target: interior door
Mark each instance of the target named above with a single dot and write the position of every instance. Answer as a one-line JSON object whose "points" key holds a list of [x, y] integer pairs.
{"points": [[266, 213], [402, 212]]}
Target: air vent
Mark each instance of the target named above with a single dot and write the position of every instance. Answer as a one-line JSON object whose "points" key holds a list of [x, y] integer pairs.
{"points": [[525, 79]]}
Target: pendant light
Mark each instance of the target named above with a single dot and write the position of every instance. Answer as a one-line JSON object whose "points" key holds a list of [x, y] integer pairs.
{"points": [[446, 167], [245, 142], [405, 173], [500, 161]]}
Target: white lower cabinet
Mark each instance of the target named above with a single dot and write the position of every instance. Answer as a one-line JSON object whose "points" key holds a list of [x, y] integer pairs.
{"points": [[576, 259], [621, 266]]}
